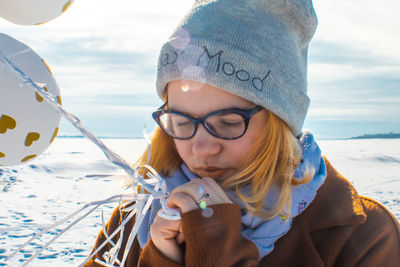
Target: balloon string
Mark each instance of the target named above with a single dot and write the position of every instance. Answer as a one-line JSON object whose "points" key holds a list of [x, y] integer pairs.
{"points": [[67, 218], [96, 205], [51, 99], [112, 157]]}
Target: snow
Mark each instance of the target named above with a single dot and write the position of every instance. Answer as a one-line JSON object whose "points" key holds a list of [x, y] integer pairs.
{"points": [[74, 172]]}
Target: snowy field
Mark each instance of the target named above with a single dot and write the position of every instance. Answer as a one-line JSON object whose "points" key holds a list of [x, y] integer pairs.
{"points": [[74, 172]]}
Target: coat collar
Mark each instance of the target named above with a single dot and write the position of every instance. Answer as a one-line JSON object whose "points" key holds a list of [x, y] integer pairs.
{"points": [[337, 200]]}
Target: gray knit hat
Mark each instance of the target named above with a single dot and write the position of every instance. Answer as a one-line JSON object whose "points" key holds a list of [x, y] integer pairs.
{"points": [[256, 49]]}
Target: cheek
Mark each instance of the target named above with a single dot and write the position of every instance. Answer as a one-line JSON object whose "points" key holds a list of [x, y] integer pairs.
{"points": [[183, 149], [238, 152], [244, 145]]}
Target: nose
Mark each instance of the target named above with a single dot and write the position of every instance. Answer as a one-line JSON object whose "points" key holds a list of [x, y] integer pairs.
{"points": [[204, 144]]}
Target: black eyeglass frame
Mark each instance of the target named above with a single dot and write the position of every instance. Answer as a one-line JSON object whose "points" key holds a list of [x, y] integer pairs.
{"points": [[245, 113]]}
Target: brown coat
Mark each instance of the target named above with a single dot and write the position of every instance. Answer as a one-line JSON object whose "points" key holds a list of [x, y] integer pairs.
{"points": [[339, 228]]}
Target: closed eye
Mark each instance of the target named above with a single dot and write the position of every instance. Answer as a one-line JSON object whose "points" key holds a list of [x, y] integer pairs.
{"points": [[227, 123], [183, 123]]}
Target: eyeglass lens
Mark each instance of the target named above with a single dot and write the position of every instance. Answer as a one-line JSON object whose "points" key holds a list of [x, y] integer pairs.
{"points": [[223, 125]]}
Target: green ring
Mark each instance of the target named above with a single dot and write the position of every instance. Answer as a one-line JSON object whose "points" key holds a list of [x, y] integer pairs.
{"points": [[203, 205]]}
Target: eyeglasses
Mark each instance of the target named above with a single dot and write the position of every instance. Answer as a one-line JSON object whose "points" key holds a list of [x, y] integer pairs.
{"points": [[227, 124]]}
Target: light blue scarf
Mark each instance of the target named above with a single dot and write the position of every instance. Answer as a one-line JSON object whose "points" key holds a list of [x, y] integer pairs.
{"points": [[262, 233]]}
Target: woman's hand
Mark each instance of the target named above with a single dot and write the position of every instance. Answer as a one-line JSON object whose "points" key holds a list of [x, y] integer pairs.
{"points": [[185, 197], [167, 235]]}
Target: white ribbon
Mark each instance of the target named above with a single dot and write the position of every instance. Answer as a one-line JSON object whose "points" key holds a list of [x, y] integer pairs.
{"points": [[141, 201]]}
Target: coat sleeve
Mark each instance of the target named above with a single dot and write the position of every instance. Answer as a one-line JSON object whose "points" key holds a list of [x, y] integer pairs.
{"points": [[151, 256], [384, 240], [376, 242], [217, 240], [209, 241]]}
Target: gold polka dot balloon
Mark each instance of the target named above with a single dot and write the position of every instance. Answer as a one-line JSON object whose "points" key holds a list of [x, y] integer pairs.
{"points": [[32, 12], [28, 123]]}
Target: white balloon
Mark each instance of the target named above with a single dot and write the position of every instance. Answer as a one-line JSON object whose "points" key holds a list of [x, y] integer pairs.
{"points": [[28, 124], [32, 12]]}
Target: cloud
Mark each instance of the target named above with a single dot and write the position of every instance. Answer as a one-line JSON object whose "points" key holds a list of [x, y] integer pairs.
{"points": [[119, 101], [339, 52], [354, 68], [358, 97], [104, 55], [366, 24], [127, 25]]}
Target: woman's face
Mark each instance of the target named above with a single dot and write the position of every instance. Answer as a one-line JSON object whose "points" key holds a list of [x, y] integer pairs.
{"points": [[204, 154]]}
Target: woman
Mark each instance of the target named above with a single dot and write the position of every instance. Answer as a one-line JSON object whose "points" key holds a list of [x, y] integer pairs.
{"points": [[251, 186]]}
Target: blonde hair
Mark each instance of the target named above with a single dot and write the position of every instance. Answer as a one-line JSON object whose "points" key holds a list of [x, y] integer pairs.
{"points": [[272, 161]]}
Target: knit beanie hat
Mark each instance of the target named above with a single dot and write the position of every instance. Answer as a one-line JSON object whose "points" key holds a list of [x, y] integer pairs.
{"points": [[256, 49]]}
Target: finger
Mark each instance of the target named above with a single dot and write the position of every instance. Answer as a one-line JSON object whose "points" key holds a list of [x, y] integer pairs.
{"points": [[216, 195], [180, 238], [182, 201], [164, 234], [163, 230], [211, 185], [173, 225], [197, 189], [187, 196], [192, 188]]}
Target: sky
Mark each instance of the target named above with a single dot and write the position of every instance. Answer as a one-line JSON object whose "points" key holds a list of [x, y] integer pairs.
{"points": [[103, 55]]}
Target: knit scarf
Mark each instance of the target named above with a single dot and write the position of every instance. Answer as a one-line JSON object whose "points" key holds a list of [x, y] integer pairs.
{"points": [[262, 233]]}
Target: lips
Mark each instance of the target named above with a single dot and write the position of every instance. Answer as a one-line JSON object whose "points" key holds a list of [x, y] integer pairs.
{"points": [[213, 172], [209, 169]]}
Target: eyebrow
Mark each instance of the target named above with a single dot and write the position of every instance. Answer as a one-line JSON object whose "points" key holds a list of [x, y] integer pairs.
{"points": [[197, 117], [190, 115]]}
